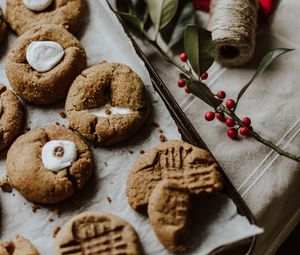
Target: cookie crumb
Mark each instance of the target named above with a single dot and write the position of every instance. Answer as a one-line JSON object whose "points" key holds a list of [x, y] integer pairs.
{"points": [[5, 185], [27, 129], [160, 131], [63, 115], [155, 124], [56, 211], [56, 230], [142, 151], [109, 199], [35, 208], [51, 220], [107, 110], [130, 151], [163, 138], [105, 164], [57, 123]]}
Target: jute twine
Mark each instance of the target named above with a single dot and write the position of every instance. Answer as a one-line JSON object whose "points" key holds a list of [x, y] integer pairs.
{"points": [[233, 27]]}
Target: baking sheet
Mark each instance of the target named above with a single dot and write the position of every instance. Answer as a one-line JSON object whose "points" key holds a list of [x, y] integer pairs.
{"points": [[216, 223]]}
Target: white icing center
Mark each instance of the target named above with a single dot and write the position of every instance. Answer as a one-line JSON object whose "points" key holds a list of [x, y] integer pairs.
{"points": [[58, 154], [44, 55], [108, 110], [37, 5]]}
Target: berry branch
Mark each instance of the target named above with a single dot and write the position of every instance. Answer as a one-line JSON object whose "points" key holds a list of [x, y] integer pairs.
{"points": [[197, 58]]}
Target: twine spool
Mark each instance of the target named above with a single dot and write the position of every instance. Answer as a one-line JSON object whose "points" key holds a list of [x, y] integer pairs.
{"points": [[233, 27]]}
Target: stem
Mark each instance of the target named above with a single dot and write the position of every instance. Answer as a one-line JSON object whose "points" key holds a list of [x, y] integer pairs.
{"points": [[258, 138]]}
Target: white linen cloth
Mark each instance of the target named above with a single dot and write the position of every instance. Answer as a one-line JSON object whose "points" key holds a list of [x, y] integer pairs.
{"points": [[104, 39], [269, 183]]}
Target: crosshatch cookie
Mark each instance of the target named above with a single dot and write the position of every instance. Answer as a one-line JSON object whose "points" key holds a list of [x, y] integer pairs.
{"points": [[98, 233], [169, 210], [190, 167], [47, 165], [20, 246], [107, 103], [2, 26], [11, 116], [43, 63], [23, 15]]}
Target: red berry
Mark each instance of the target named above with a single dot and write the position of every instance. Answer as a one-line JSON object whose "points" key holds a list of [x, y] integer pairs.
{"points": [[220, 117], [232, 133], [181, 83], [187, 89], [183, 57], [204, 76], [230, 103], [230, 122], [221, 94], [244, 131], [209, 116], [247, 121]]}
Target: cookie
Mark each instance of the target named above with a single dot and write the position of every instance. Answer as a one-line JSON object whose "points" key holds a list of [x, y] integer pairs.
{"points": [[11, 116], [43, 63], [20, 246], [3, 26], [190, 167], [23, 15], [169, 209], [47, 165], [107, 103], [97, 233]]}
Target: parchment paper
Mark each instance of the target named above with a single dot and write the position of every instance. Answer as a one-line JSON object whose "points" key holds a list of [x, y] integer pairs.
{"points": [[216, 221]]}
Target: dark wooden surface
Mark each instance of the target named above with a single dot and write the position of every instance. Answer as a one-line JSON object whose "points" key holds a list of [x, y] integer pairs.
{"points": [[292, 245]]}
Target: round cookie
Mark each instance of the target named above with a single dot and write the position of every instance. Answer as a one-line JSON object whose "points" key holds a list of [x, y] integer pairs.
{"points": [[189, 167], [2, 26], [67, 13], [51, 86], [11, 116], [87, 109], [97, 233], [27, 171]]}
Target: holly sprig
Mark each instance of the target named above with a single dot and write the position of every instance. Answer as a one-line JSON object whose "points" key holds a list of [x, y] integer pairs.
{"points": [[165, 24]]}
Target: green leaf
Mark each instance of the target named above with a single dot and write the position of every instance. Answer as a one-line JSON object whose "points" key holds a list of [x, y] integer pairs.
{"points": [[133, 21], [162, 12], [200, 90], [265, 62], [186, 16], [199, 48]]}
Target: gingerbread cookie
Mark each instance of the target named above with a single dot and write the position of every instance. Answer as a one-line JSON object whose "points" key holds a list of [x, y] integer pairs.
{"points": [[11, 116], [43, 64], [23, 15], [21, 246], [169, 208], [97, 233], [190, 167], [2, 26], [107, 103], [47, 165]]}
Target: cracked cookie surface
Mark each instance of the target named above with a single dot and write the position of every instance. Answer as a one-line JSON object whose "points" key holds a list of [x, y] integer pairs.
{"points": [[20, 246], [33, 180], [47, 87], [97, 233], [67, 13], [11, 116], [97, 85], [190, 167]]}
